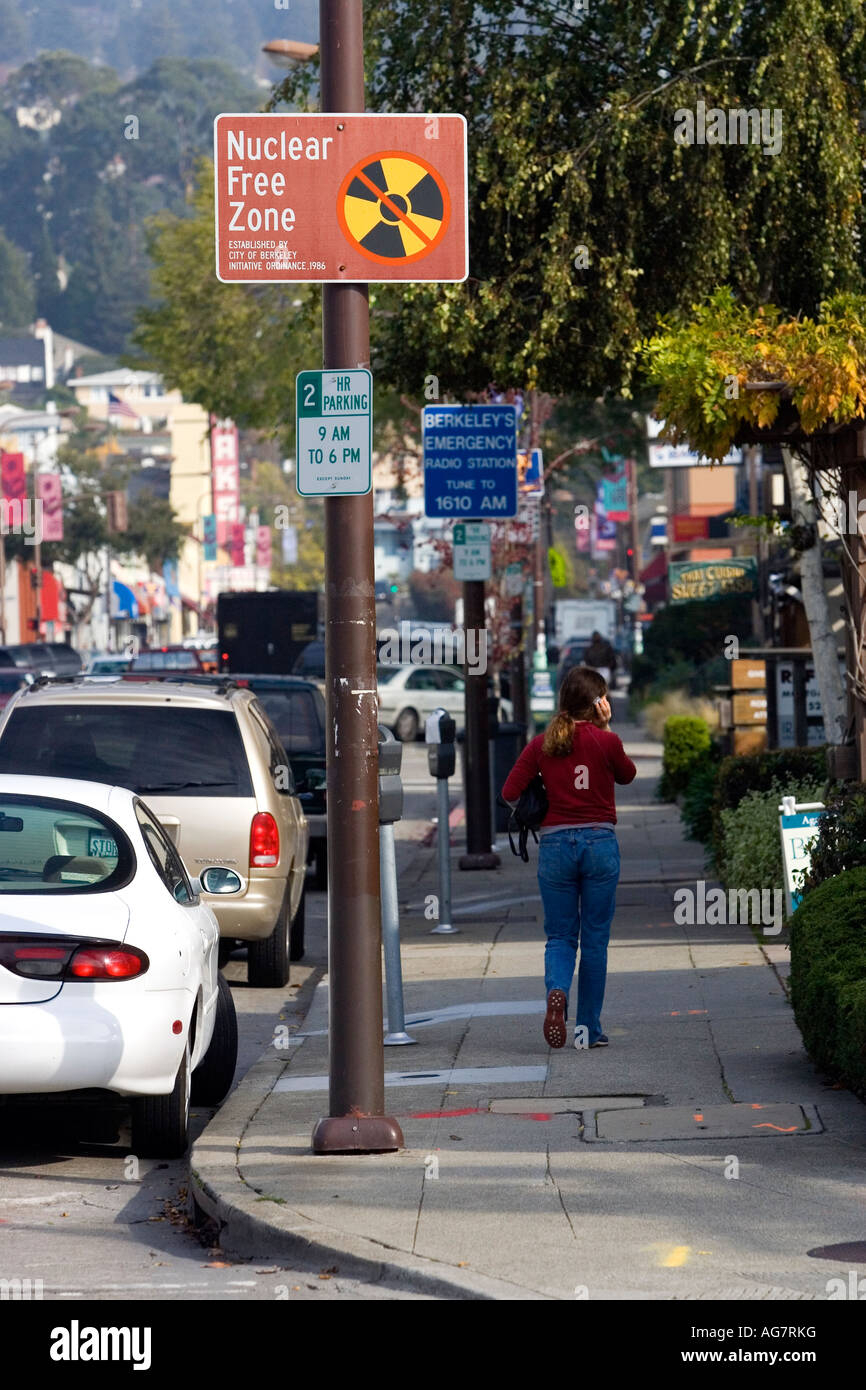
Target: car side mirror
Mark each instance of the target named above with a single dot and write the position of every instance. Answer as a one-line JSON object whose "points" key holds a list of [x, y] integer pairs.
{"points": [[218, 880]]}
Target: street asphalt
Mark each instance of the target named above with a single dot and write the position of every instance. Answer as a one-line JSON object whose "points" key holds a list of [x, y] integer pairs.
{"points": [[699, 1156]]}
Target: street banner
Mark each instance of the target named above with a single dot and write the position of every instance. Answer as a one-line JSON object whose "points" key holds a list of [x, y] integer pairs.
{"points": [[225, 462], [707, 578], [263, 547], [558, 568], [613, 492], [209, 538], [238, 537], [340, 198], [530, 474], [13, 477], [290, 545], [49, 489]]}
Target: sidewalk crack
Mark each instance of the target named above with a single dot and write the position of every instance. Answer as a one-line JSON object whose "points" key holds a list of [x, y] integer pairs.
{"points": [[551, 1178]]}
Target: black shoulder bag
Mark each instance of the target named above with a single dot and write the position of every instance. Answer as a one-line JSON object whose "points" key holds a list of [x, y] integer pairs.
{"points": [[526, 817]]}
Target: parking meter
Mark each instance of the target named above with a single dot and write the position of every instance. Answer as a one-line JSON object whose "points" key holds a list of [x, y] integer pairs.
{"points": [[440, 732], [390, 784]]}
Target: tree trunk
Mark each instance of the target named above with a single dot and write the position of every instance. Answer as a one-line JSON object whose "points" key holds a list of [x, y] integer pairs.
{"points": [[824, 642]]}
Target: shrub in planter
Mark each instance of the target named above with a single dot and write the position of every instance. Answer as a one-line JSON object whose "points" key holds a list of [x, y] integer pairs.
{"points": [[751, 849], [686, 743], [782, 767], [841, 840], [828, 976]]}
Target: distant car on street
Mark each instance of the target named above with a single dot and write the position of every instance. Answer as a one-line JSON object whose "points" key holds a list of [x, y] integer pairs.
{"points": [[111, 664], [13, 681], [167, 659], [213, 770], [49, 658], [109, 976], [407, 694]]}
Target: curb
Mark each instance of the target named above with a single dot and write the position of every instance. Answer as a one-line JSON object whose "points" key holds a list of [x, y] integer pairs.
{"points": [[218, 1191]]}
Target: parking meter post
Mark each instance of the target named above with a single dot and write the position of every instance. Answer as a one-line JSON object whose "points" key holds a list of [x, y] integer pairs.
{"points": [[440, 733], [391, 810], [478, 850], [356, 1121]]}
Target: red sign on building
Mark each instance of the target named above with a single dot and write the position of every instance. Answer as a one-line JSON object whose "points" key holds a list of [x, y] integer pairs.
{"points": [[225, 458], [340, 198], [691, 528]]}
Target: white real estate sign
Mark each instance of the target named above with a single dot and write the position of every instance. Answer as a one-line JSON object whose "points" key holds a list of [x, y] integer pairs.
{"points": [[799, 824], [471, 550]]}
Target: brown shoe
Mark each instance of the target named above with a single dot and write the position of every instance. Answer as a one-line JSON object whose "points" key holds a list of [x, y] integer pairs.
{"points": [[554, 1022]]}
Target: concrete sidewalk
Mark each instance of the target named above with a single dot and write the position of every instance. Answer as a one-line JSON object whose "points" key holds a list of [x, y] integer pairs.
{"points": [[699, 1156]]}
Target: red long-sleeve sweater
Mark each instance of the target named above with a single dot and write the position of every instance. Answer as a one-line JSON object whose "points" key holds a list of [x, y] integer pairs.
{"points": [[579, 785]]}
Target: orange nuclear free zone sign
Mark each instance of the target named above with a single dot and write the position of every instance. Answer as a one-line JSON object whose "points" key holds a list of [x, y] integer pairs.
{"points": [[340, 198]]}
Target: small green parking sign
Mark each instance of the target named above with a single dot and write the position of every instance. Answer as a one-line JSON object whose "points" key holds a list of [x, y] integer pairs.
{"points": [[334, 432]]}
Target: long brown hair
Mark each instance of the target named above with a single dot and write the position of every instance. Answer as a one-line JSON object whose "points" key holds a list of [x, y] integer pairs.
{"points": [[580, 689]]}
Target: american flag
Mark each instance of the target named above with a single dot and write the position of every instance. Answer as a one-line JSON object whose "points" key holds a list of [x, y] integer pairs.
{"points": [[118, 407]]}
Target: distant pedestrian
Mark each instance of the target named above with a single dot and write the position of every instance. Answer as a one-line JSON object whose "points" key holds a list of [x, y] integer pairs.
{"points": [[601, 656], [580, 761]]}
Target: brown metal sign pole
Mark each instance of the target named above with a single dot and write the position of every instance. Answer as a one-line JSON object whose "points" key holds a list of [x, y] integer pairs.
{"points": [[357, 1122]]}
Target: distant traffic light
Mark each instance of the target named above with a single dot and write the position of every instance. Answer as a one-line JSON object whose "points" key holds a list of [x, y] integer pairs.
{"points": [[395, 588]]}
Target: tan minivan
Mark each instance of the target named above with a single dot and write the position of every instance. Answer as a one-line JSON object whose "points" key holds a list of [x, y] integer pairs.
{"points": [[209, 763]]}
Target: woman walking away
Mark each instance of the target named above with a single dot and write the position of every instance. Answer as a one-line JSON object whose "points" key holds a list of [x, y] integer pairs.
{"points": [[579, 760]]}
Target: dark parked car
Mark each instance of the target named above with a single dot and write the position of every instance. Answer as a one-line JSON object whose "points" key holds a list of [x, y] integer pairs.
{"points": [[50, 658], [296, 708], [11, 681]]}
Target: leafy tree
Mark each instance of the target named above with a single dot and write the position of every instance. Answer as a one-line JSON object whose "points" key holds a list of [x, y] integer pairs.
{"points": [[571, 143], [234, 348], [17, 291]]}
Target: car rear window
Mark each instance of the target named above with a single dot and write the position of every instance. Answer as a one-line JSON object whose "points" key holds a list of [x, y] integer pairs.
{"points": [[166, 661], [293, 714], [162, 750], [49, 846]]}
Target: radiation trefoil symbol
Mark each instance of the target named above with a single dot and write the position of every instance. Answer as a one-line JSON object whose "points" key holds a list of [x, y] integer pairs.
{"points": [[393, 206]]}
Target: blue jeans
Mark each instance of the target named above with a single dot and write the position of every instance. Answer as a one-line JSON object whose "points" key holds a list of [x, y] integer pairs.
{"points": [[578, 871]]}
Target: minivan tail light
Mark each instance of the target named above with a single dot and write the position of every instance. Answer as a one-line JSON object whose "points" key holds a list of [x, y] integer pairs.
{"points": [[264, 841]]}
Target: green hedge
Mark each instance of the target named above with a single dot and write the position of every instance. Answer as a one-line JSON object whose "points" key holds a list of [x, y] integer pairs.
{"points": [[828, 976], [757, 772], [751, 853], [841, 840], [696, 810], [686, 744]]}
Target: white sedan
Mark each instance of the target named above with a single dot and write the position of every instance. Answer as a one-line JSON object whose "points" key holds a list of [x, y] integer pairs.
{"points": [[109, 972], [407, 694]]}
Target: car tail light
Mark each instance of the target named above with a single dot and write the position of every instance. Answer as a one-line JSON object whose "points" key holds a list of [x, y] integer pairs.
{"points": [[264, 841], [106, 963], [70, 958]]}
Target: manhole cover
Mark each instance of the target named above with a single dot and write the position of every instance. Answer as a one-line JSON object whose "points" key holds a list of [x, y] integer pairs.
{"points": [[706, 1122]]}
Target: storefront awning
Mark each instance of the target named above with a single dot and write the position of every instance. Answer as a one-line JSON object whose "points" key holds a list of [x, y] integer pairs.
{"points": [[124, 603]]}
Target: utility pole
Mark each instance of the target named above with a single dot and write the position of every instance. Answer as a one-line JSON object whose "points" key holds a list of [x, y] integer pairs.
{"points": [[479, 853], [356, 1121]]}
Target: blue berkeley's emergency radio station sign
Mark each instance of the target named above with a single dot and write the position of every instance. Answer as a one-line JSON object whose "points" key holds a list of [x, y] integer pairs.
{"points": [[470, 461]]}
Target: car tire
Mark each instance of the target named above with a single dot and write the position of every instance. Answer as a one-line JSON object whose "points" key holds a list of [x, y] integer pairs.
{"points": [[212, 1078], [296, 931], [160, 1124], [406, 726], [320, 874], [268, 960]]}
